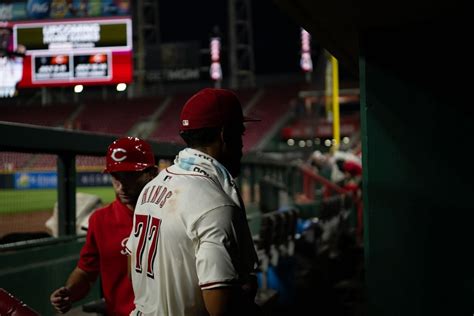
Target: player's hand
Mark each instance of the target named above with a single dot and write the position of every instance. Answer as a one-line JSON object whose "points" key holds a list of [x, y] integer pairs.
{"points": [[250, 288], [249, 291], [61, 300]]}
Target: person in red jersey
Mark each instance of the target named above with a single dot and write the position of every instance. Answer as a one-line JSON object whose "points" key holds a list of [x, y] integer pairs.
{"points": [[131, 163]]}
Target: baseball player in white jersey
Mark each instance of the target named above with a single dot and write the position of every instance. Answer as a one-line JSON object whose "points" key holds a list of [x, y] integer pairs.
{"points": [[190, 247]]}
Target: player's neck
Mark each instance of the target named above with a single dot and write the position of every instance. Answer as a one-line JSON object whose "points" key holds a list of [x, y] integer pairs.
{"points": [[131, 207], [211, 150]]}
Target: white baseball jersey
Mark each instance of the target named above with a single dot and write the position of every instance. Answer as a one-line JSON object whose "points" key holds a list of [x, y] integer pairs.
{"points": [[188, 235]]}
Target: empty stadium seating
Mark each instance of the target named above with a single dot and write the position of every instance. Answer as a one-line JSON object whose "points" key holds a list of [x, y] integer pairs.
{"points": [[89, 162], [14, 161], [168, 123], [115, 117], [10, 161], [42, 162], [112, 117], [270, 109], [245, 96], [118, 117], [51, 115]]}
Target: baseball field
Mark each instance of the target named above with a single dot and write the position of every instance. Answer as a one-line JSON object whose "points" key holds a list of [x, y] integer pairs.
{"points": [[16, 201], [28, 210]]}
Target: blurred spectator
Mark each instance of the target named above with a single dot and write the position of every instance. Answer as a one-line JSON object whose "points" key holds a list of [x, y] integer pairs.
{"points": [[347, 156], [353, 168], [326, 165], [343, 168]]}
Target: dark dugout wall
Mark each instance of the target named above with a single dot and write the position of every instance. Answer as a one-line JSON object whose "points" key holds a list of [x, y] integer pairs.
{"points": [[416, 122]]}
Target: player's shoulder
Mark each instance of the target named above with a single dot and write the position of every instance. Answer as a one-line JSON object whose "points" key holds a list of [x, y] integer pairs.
{"points": [[177, 177], [102, 212], [105, 208], [195, 187]]}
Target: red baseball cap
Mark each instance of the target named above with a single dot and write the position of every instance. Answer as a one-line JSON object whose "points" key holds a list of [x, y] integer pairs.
{"points": [[129, 154], [352, 167], [211, 107]]}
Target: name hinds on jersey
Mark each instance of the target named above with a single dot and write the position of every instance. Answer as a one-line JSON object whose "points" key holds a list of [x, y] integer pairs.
{"points": [[157, 195]]}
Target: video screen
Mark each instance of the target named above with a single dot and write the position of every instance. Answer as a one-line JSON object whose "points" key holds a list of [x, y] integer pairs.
{"points": [[70, 52]]}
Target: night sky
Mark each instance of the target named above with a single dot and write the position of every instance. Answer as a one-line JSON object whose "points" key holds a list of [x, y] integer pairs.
{"points": [[276, 36]]}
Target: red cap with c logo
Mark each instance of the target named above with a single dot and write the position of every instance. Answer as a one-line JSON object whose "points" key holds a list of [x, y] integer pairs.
{"points": [[129, 154]]}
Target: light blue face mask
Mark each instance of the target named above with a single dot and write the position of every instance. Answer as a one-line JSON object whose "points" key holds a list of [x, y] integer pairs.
{"points": [[187, 163]]}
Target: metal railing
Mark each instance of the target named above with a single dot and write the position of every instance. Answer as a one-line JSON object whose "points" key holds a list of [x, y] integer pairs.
{"points": [[66, 145]]}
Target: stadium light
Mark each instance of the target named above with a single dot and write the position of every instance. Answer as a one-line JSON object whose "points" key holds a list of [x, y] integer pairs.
{"points": [[215, 49], [121, 87], [305, 62], [78, 88]]}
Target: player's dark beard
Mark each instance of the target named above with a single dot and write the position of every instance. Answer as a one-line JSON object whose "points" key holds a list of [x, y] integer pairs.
{"points": [[233, 167], [231, 159], [126, 199], [129, 198]]}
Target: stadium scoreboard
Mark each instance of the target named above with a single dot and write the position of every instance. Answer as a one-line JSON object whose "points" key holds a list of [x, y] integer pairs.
{"points": [[70, 52]]}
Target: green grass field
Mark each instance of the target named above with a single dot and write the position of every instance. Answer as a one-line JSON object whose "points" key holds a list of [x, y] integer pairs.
{"points": [[15, 201]]}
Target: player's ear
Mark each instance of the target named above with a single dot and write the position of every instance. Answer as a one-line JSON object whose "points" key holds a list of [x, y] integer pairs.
{"points": [[222, 134], [222, 140], [154, 171]]}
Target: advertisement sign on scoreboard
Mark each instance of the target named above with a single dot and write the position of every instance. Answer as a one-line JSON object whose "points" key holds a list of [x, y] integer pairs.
{"points": [[71, 52]]}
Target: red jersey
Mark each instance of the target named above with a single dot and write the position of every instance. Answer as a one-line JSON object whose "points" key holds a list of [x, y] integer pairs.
{"points": [[104, 252]]}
